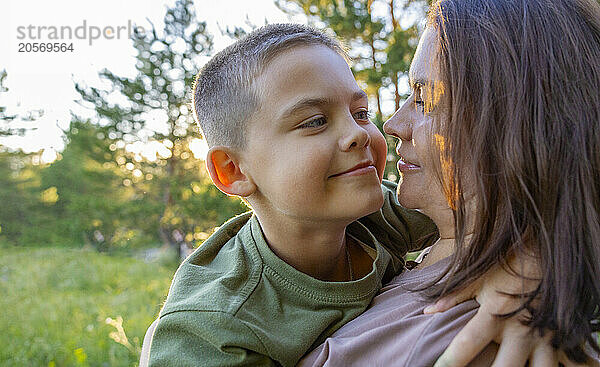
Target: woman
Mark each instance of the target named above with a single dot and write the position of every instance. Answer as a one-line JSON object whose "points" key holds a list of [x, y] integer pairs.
{"points": [[500, 146]]}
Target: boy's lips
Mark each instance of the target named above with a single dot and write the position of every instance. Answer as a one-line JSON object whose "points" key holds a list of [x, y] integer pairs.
{"points": [[359, 169]]}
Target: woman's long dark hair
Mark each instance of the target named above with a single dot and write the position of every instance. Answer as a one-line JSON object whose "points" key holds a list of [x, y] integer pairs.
{"points": [[522, 78]]}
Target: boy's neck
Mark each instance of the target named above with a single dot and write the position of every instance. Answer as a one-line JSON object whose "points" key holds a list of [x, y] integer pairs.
{"points": [[316, 248]]}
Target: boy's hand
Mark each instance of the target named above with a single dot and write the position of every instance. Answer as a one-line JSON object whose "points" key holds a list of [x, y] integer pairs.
{"points": [[517, 343]]}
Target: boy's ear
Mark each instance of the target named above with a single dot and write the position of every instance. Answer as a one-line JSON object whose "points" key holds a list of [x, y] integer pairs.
{"points": [[224, 170]]}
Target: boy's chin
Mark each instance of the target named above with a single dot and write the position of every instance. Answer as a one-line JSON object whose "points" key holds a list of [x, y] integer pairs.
{"points": [[367, 204]]}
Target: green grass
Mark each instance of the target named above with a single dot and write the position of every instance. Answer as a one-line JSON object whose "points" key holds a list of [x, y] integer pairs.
{"points": [[55, 304]]}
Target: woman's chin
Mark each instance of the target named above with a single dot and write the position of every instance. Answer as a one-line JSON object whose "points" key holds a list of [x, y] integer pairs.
{"points": [[409, 198], [408, 203], [419, 191]]}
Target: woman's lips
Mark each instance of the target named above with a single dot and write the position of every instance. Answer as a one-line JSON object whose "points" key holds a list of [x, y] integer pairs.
{"points": [[407, 167]]}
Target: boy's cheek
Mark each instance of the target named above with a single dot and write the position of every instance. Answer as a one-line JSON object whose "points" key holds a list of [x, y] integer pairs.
{"points": [[379, 152]]}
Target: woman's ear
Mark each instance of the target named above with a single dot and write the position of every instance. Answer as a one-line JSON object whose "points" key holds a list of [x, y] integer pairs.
{"points": [[224, 170]]}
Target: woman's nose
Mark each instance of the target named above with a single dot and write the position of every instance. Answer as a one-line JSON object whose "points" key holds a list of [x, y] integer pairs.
{"points": [[357, 137], [400, 124]]}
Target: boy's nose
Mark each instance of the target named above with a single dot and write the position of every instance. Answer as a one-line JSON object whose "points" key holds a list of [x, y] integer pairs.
{"points": [[358, 137], [400, 124]]}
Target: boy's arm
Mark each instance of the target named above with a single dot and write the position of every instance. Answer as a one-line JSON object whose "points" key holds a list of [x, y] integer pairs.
{"points": [[398, 229], [205, 338]]}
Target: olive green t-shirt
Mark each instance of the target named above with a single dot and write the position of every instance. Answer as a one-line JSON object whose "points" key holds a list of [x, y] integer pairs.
{"points": [[233, 302]]}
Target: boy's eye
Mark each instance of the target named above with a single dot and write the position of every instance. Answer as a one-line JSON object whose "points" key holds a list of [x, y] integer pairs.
{"points": [[363, 115], [314, 123]]}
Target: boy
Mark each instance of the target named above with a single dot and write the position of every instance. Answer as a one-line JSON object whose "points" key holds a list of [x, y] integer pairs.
{"points": [[288, 131]]}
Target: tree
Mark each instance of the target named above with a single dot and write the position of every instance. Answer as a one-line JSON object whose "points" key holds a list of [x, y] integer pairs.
{"points": [[17, 176], [81, 196], [7, 127], [3, 115], [166, 66]]}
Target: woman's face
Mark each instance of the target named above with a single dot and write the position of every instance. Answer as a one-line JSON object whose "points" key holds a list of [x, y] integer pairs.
{"points": [[412, 124]]}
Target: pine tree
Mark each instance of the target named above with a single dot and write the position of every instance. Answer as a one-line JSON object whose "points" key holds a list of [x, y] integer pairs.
{"points": [[15, 195], [166, 65], [81, 197], [3, 115], [8, 121]]}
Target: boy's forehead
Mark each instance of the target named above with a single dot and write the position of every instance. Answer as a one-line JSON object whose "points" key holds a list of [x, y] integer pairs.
{"points": [[306, 76]]}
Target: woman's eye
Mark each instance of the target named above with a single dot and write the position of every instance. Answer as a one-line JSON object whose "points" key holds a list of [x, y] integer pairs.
{"points": [[314, 123], [362, 115], [419, 102]]}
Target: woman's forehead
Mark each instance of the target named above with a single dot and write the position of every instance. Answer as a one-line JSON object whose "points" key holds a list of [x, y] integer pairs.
{"points": [[424, 67]]}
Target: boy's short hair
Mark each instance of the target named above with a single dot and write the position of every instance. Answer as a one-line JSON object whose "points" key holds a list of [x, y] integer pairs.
{"points": [[223, 93]]}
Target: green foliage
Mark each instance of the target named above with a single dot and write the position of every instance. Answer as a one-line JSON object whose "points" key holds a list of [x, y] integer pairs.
{"points": [[178, 202], [61, 307], [165, 71], [103, 193], [84, 192], [92, 195], [17, 195]]}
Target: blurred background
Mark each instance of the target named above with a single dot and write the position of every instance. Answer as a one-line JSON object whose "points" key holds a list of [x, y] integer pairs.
{"points": [[103, 189]]}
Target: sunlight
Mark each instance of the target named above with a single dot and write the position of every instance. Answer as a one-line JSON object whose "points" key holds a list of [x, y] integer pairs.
{"points": [[450, 185], [149, 151], [49, 155], [49, 196], [199, 148]]}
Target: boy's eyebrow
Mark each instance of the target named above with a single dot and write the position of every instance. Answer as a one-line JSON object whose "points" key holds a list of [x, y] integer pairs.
{"points": [[311, 102], [304, 103]]}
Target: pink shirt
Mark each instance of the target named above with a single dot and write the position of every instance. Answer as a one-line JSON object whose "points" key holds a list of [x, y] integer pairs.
{"points": [[395, 332]]}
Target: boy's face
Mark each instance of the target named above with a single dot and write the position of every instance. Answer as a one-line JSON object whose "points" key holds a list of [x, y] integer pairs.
{"points": [[311, 150]]}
